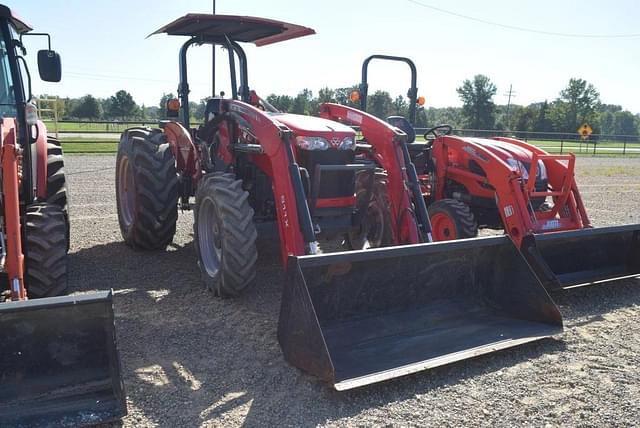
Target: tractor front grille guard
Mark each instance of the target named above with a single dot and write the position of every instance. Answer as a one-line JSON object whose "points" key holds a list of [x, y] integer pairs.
{"points": [[567, 212]]}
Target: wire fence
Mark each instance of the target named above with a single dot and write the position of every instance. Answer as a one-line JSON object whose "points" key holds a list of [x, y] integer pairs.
{"points": [[76, 132]]}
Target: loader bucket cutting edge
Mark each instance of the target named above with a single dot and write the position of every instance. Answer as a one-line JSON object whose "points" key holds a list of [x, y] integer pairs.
{"points": [[361, 317], [59, 363], [587, 256]]}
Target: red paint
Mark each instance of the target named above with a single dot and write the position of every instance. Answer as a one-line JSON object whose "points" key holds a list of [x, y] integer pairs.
{"points": [[14, 261], [443, 227], [348, 201], [384, 138]]}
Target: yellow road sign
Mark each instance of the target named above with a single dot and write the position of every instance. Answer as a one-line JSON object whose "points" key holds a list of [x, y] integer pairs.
{"points": [[585, 130]]}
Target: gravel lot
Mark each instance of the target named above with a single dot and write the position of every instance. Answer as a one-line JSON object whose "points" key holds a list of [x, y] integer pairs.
{"points": [[192, 360]]}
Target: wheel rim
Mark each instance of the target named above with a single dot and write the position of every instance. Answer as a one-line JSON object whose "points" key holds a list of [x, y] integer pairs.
{"points": [[209, 238], [443, 227], [375, 224], [126, 192]]}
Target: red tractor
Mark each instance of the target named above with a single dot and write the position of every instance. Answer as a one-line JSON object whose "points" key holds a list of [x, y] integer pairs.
{"points": [[350, 318], [58, 359], [504, 183]]}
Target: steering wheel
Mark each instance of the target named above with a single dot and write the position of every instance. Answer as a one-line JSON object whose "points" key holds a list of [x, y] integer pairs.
{"points": [[447, 130]]}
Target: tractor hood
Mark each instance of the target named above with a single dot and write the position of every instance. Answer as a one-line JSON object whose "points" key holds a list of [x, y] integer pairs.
{"points": [[503, 149], [313, 126]]}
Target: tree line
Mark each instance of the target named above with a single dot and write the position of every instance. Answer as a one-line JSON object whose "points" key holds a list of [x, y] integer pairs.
{"points": [[579, 102]]}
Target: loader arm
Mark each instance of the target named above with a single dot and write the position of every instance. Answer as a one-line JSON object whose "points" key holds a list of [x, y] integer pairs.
{"points": [[560, 177], [387, 143], [269, 147], [14, 263], [505, 182]]}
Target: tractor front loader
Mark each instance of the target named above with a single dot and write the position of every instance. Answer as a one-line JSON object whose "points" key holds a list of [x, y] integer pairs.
{"points": [[504, 183], [351, 318], [58, 360]]}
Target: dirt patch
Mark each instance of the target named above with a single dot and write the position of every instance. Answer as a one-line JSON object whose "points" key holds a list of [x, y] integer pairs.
{"points": [[192, 360]]}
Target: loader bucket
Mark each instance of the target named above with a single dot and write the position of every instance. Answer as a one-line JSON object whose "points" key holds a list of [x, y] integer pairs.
{"points": [[360, 317], [59, 364], [586, 256]]}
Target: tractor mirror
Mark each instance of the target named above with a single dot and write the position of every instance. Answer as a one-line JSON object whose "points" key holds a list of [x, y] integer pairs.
{"points": [[354, 96], [49, 66]]}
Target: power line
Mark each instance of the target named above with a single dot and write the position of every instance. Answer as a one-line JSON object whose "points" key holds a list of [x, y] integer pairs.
{"points": [[524, 29]]}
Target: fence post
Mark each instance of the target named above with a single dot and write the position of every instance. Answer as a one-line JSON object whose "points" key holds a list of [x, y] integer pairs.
{"points": [[594, 148], [624, 146], [561, 145]]}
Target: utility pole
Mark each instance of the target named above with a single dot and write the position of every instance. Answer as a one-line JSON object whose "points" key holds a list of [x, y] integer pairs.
{"points": [[510, 94], [213, 61]]}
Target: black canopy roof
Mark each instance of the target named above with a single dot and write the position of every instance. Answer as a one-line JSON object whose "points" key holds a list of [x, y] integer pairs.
{"points": [[21, 26], [260, 31]]}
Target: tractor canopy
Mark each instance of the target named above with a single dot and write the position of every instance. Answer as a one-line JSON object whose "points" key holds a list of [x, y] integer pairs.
{"points": [[18, 23], [247, 29]]}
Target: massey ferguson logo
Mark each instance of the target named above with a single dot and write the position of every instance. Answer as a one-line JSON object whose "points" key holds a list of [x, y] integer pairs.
{"points": [[335, 142]]}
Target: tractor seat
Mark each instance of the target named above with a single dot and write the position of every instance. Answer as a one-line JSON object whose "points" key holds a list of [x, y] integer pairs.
{"points": [[212, 108], [402, 123]]}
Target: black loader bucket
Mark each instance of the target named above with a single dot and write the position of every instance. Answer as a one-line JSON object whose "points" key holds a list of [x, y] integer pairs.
{"points": [[59, 364], [360, 317], [586, 256]]}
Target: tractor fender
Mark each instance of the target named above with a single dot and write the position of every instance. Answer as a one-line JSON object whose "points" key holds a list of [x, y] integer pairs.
{"points": [[39, 160], [181, 143]]}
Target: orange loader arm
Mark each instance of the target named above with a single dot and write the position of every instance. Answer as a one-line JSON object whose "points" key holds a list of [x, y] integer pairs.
{"points": [[14, 261]]}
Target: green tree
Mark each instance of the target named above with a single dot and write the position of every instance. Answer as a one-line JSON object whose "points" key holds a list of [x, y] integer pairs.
{"points": [[283, 103], [399, 106], [576, 105], [543, 123], [380, 104], [477, 98], [87, 107], [304, 103], [625, 123], [326, 95], [122, 105]]}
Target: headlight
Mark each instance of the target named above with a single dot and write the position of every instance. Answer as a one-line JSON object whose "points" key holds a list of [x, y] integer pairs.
{"points": [[312, 143], [519, 166], [542, 170], [348, 143]]}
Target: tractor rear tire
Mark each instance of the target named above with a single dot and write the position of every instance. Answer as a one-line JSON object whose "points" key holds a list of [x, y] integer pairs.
{"points": [[452, 219], [56, 181], [46, 245], [224, 235], [375, 231], [146, 189]]}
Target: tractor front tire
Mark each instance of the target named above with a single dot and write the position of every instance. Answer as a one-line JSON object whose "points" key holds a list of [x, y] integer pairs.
{"points": [[56, 181], [146, 189], [452, 219], [46, 245], [375, 229], [225, 235]]}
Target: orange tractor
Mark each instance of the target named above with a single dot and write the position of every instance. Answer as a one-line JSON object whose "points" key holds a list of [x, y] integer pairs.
{"points": [[504, 183], [58, 358], [351, 318]]}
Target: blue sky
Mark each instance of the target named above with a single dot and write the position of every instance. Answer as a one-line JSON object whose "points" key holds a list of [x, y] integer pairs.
{"points": [[104, 49]]}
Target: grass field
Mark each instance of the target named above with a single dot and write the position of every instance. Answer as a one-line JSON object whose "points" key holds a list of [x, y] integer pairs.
{"points": [[83, 146]]}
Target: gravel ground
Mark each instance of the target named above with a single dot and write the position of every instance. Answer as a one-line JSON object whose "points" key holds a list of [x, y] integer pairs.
{"points": [[192, 360]]}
